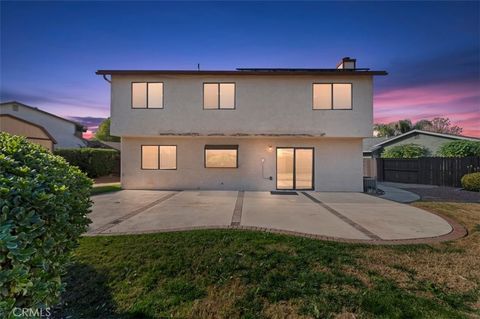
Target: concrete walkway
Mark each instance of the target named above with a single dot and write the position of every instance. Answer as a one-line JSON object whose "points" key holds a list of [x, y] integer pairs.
{"points": [[351, 217], [408, 185], [397, 194]]}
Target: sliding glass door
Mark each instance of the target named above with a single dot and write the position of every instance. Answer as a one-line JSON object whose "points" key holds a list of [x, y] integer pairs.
{"points": [[294, 168], [285, 168]]}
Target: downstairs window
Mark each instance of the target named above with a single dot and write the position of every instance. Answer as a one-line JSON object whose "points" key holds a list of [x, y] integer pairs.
{"points": [[221, 156], [156, 157]]}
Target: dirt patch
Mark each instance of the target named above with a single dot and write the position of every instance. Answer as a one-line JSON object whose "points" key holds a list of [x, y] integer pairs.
{"points": [[283, 310], [319, 267], [346, 315], [359, 274]]}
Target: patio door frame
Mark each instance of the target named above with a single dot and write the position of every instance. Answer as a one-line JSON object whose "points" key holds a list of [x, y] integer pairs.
{"points": [[295, 167]]}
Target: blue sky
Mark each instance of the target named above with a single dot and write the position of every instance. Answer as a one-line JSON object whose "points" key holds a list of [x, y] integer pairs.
{"points": [[50, 50]]}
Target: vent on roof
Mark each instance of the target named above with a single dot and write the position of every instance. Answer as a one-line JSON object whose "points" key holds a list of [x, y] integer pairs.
{"points": [[347, 63], [15, 107]]}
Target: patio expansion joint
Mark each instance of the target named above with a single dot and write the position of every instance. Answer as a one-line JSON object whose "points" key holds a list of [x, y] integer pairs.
{"points": [[123, 218], [237, 211], [344, 218]]}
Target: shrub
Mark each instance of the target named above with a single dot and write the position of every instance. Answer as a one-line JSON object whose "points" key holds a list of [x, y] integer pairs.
{"points": [[43, 202], [94, 162], [405, 151], [460, 148], [471, 182]]}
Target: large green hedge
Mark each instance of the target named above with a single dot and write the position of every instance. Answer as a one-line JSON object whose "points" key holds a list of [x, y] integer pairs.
{"points": [[94, 162], [460, 148], [44, 202], [405, 151]]}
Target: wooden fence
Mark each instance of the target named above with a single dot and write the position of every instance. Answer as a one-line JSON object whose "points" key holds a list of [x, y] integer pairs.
{"points": [[442, 171]]}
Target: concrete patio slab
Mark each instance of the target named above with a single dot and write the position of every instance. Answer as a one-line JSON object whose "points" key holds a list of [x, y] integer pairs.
{"points": [[397, 194], [388, 220], [186, 209], [352, 217], [294, 213], [108, 207], [407, 185], [346, 198]]}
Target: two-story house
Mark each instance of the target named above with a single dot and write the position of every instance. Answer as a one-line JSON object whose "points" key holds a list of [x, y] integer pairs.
{"points": [[247, 129]]}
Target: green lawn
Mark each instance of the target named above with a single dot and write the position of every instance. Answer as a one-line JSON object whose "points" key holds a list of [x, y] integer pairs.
{"points": [[243, 274], [106, 189]]}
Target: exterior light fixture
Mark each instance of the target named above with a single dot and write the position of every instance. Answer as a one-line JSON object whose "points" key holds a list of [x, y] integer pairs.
{"points": [[270, 148]]}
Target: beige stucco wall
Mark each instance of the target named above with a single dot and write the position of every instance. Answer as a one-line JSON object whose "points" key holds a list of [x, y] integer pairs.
{"points": [[432, 143], [33, 133], [338, 164], [264, 104]]}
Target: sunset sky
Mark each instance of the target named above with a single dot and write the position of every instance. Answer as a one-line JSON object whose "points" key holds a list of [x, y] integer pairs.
{"points": [[51, 50]]}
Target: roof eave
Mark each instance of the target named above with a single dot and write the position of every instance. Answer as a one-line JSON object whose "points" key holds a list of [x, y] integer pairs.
{"points": [[416, 131], [234, 72]]}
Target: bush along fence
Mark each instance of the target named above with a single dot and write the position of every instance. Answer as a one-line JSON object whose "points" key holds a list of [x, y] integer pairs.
{"points": [[94, 162], [442, 171]]}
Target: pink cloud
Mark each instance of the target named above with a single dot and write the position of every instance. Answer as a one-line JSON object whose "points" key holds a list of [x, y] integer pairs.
{"points": [[460, 102], [427, 95]]}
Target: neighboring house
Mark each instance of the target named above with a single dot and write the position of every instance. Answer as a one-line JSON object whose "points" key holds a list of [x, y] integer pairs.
{"points": [[103, 144], [248, 129], [33, 132], [115, 145], [63, 133], [374, 146]]}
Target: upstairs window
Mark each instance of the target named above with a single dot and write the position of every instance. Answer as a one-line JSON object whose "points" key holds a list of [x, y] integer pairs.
{"points": [[332, 96], [221, 156], [159, 157], [147, 95], [219, 96]]}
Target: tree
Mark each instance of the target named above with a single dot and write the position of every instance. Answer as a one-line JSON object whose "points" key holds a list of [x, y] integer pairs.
{"points": [[443, 125], [383, 130], [424, 125], [103, 132], [393, 128], [403, 126], [460, 148], [405, 151], [437, 125]]}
